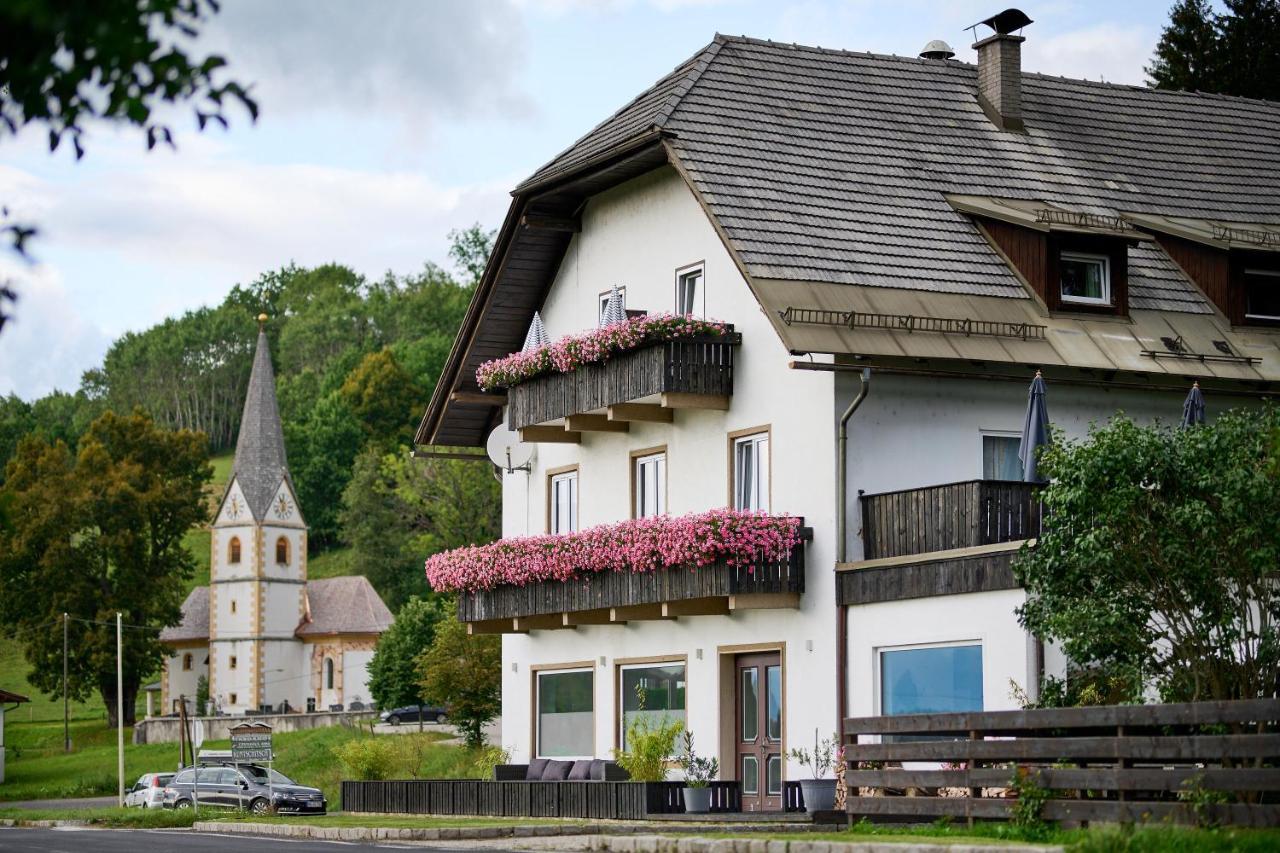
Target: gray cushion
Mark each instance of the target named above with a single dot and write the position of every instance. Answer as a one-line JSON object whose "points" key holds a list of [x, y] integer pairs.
{"points": [[556, 770], [597, 769], [581, 771], [534, 771]]}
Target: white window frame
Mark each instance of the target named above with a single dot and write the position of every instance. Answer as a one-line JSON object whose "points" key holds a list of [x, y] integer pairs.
{"points": [[983, 435], [1266, 317], [762, 468], [658, 459], [622, 713], [1087, 257], [877, 673], [698, 305], [602, 299], [537, 710], [553, 516]]}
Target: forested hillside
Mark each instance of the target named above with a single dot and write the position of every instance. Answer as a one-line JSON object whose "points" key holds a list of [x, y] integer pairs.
{"points": [[355, 360]]}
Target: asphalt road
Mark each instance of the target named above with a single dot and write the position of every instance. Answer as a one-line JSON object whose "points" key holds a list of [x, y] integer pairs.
{"points": [[74, 803], [78, 840]]}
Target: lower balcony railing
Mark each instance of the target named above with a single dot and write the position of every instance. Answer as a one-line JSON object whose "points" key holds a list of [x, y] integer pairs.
{"points": [[619, 597], [954, 515]]}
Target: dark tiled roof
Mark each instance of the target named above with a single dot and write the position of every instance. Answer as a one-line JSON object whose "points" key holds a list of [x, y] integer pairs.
{"points": [[831, 166], [260, 464], [195, 619], [344, 605], [6, 696]]}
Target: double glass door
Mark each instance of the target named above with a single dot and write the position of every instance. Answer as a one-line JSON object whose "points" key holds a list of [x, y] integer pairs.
{"points": [[758, 719]]}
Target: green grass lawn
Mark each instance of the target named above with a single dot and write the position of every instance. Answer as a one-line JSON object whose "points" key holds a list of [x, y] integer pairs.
{"points": [[329, 564], [125, 818], [38, 768]]}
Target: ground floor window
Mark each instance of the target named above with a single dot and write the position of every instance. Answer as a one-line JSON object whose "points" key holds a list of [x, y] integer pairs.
{"points": [[566, 714], [655, 691], [931, 679]]}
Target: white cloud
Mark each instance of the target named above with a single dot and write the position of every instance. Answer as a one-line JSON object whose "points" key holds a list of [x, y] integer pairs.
{"points": [[1107, 52]]}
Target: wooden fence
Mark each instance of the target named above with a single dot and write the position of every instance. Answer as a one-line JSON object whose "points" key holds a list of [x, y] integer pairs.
{"points": [[955, 515], [1204, 762], [701, 365]]}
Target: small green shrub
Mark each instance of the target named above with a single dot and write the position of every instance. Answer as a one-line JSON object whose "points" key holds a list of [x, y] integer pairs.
{"points": [[650, 745], [489, 758], [369, 758], [1025, 816]]}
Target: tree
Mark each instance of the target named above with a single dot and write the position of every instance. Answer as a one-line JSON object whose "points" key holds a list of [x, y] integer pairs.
{"points": [[470, 249], [463, 673], [96, 534], [321, 450], [1159, 555], [393, 679], [1235, 53], [383, 398]]}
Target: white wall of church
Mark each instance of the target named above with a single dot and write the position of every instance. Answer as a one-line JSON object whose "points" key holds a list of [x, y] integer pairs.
{"points": [[355, 676], [637, 236], [234, 667], [282, 608], [286, 673], [183, 682]]}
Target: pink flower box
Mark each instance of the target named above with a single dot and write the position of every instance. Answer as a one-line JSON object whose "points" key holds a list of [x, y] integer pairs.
{"points": [[569, 353], [637, 545]]}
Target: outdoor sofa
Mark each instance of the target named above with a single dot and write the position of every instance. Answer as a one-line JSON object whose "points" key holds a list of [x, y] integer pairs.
{"points": [[550, 770]]}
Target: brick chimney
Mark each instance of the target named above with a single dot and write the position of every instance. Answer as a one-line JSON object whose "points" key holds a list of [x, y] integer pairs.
{"points": [[1000, 69]]}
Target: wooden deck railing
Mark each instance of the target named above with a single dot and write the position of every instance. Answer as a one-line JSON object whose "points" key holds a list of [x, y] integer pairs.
{"points": [[624, 589], [689, 366], [955, 515], [1184, 763]]}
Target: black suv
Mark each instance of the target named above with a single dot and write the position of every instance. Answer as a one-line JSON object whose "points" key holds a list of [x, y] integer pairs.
{"points": [[249, 786]]}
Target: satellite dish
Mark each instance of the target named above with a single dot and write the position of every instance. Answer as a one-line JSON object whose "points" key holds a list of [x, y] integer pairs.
{"points": [[507, 451]]}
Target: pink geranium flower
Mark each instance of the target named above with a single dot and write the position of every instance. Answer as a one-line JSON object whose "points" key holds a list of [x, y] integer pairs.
{"points": [[737, 537]]}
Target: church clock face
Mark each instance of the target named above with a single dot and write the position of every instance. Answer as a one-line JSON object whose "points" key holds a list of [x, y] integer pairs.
{"points": [[234, 507], [284, 507]]}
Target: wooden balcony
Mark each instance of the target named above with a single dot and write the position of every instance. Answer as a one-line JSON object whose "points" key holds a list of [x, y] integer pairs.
{"points": [[942, 518], [685, 373], [620, 597]]}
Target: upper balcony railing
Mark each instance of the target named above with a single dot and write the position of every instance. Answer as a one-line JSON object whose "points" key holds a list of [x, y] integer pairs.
{"points": [[686, 372], [955, 515]]}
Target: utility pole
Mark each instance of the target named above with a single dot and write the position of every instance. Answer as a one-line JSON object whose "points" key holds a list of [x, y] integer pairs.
{"points": [[120, 708], [66, 708]]}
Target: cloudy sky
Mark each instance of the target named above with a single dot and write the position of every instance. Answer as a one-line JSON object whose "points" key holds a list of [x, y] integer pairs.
{"points": [[386, 123]]}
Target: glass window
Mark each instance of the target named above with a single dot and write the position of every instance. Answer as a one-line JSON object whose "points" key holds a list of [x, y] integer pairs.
{"points": [[231, 664], [233, 699], [566, 714], [233, 550], [186, 661], [750, 705], [650, 478], [931, 680], [662, 686], [1000, 457], [773, 775], [773, 702], [1262, 294], [282, 551], [564, 502], [328, 673], [1085, 278], [751, 472], [750, 774], [688, 285], [186, 777]]}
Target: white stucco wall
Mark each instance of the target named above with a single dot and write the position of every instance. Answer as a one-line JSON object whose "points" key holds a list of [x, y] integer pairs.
{"points": [[637, 236], [355, 676], [286, 673], [183, 682]]}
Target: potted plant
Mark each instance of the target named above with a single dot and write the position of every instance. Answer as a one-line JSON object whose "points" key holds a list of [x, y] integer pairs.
{"points": [[698, 773], [819, 792]]}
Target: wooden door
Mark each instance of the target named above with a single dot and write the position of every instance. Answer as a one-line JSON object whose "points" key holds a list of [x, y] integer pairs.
{"points": [[758, 730]]}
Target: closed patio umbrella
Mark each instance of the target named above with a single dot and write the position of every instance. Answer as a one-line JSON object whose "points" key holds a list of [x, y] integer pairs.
{"points": [[614, 310], [1193, 406], [1035, 431], [537, 336]]}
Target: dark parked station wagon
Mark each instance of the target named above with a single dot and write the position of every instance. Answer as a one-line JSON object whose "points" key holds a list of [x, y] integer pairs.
{"points": [[249, 786]]}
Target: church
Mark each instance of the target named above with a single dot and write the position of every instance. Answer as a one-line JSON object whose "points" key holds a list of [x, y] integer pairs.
{"points": [[265, 637]]}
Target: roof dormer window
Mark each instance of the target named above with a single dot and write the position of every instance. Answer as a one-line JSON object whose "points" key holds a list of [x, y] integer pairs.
{"points": [[1262, 295], [1084, 278]]}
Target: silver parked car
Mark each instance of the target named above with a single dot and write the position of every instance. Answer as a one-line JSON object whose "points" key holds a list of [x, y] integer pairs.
{"points": [[148, 791]]}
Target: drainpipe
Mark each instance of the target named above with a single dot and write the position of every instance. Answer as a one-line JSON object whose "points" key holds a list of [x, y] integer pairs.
{"points": [[842, 549]]}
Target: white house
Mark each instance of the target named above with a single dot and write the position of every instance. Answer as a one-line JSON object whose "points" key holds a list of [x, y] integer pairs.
{"points": [[263, 635], [900, 243]]}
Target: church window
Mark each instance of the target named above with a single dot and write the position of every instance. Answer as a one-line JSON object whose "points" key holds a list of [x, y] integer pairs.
{"points": [[328, 673], [232, 663], [233, 606], [233, 550], [282, 551], [186, 662], [233, 699]]}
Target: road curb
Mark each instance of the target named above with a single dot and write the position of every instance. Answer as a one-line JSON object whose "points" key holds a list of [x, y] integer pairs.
{"points": [[596, 838]]}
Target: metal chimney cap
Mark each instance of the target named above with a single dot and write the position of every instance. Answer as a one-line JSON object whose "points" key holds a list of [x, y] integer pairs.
{"points": [[937, 49], [1006, 21]]}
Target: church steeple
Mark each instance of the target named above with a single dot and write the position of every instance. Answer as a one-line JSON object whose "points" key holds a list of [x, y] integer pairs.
{"points": [[260, 463]]}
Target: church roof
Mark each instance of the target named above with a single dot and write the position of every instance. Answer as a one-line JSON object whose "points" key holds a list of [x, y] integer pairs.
{"points": [[260, 463], [195, 619], [344, 605]]}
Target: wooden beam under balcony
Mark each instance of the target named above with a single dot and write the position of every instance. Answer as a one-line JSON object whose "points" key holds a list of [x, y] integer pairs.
{"points": [[643, 412], [550, 435], [696, 607], [603, 616], [491, 626], [545, 622], [681, 400], [765, 601], [593, 423], [478, 398], [637, 613]]}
